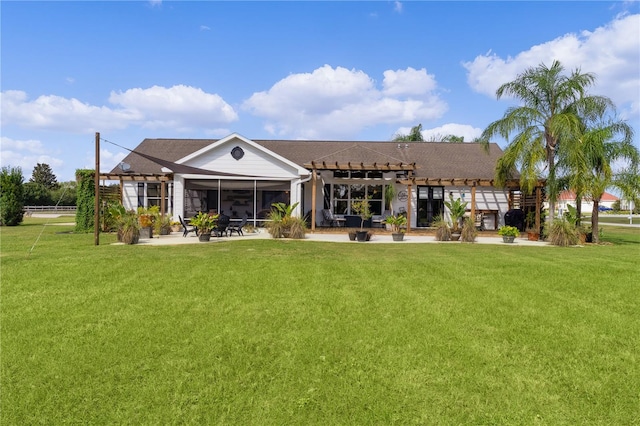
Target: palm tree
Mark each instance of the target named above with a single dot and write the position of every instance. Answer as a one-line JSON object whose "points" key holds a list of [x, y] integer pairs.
{"points": [[551, 106], [628, 181], [415, 135], [589, 158]]}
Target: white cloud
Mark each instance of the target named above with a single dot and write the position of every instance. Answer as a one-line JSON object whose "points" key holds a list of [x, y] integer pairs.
{"points": [[179, 108], [397, 6], [25, 154], [339, 102], [611, 52]]}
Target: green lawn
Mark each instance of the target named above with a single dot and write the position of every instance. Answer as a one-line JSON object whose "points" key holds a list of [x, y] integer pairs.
{"points": [[263, 332]]}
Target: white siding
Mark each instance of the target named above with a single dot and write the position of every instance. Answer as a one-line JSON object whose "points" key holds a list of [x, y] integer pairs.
{"points": [[253, 163]]}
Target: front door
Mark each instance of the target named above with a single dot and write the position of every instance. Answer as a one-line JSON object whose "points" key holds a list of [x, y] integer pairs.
{"points": [[430, 204]]}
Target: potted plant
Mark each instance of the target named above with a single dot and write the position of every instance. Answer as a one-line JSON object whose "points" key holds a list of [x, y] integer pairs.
{"points": [[129, 228], [457, 208], [443, 230], [162, 225], [508, 233], [146, 217], [283, 224], [530, 223], [396, 223], [362, 209], [204, 223], [469, 231]]}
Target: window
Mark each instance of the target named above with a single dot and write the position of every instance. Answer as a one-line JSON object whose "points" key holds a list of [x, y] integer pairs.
{"points": [[343, 195], [150, 194]]}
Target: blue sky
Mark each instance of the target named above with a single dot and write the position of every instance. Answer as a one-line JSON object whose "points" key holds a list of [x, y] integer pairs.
{"points": [[285, 70]]}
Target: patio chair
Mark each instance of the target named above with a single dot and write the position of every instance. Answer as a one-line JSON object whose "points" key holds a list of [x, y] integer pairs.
{"points": [[186, 228], [479, 221], [328, 219], [237, 228], [221, 228]]}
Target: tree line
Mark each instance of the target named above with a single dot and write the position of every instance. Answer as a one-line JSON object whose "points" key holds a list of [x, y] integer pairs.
{"points": [[42, 189]]}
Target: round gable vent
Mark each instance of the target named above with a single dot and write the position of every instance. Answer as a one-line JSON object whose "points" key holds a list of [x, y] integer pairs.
{"points": [[237, 153]]}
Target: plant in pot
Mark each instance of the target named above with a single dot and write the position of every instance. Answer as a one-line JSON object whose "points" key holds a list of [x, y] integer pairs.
{"points": [[146, 217], [129, 227], [362, 209], [469, 231], [530, 222], [508, 233], [204, 223], [283, 224], [162, 225], [443, 230], [457, 208], [396, 223]]}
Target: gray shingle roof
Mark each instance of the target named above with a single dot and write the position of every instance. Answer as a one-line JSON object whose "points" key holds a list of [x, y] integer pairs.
{"points": [[434, 160]]}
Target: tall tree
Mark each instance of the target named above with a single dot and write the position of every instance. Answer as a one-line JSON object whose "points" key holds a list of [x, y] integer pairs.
{"points": [[43, 175], [551, 105], [589, 159], [415, 135], [11, 196]]}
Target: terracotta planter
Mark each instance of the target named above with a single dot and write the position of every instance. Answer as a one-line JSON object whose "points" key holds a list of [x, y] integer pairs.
{"points": [[533, 236]]}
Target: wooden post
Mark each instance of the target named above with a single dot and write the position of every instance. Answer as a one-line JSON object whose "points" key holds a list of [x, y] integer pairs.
{"points": [[96, 184], [473, 201], [314, 179], [409, 207]]}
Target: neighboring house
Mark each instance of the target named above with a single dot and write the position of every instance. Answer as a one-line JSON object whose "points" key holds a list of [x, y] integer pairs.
{"points": [[240, 176], [569, 197]]}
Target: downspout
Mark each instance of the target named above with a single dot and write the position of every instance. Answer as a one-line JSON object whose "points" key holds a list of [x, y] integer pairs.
{"points": [[299, 183]]}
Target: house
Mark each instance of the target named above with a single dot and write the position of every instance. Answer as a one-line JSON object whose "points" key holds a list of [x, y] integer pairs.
{"points": [[244, 177], [569, 197]]}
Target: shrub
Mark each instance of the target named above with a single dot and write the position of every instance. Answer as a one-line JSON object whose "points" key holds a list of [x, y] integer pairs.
{"points": [[563, 233], [86, 197], [11, 196]]}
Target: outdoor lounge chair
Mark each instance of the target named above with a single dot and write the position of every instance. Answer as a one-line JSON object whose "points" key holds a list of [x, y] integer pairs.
{"points": [[237, 228], [186, 228]]}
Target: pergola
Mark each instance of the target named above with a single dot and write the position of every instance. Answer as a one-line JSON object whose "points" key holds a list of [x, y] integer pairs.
{"points": [[410, 180]]}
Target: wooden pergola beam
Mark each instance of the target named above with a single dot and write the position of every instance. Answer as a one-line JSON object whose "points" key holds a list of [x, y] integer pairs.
{"points": [[138, 177]]}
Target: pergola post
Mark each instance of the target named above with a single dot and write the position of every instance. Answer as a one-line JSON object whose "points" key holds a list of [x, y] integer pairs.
{"points": [[408, 207], [314, 188], [473, 201], [538, 206]]}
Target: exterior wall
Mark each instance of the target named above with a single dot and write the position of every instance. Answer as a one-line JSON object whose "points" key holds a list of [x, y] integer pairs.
{"points": [[254, 163], [130, 195]]}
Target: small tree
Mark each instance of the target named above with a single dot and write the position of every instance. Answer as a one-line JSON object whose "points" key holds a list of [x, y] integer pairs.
{"points": [[362, 209], [11, 196]]}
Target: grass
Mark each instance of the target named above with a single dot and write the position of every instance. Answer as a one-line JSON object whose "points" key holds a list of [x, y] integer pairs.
{"points": [[290, 332]]}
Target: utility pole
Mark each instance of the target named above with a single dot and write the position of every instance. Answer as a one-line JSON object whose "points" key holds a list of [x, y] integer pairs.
{"points": [[96, 182]]}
